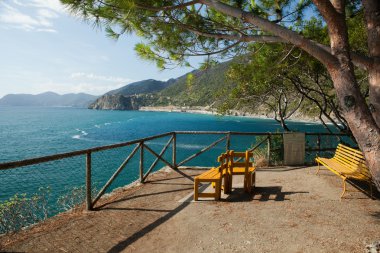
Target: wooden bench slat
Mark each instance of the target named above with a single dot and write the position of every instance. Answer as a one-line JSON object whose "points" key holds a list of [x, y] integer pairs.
{"points": [[212, 173], [242, 169], [341, 170], [351, 156], [350, 149], [351, 165], [346, 162], [241, 164]]}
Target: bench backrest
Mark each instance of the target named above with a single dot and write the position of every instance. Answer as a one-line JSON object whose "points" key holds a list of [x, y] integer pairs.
{"points": [[223, 161], [241, 159], [352, 159]]}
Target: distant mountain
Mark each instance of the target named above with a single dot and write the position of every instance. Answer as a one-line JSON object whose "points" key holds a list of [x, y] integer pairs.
{"points": [[48, 99]]}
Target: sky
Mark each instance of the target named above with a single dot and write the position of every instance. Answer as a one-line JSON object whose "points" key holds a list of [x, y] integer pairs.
{"points": [[44, 48]]}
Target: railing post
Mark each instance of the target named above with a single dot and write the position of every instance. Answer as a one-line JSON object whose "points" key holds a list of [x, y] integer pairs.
{"points": [[174, 158], [319, 144], [88, 182], [228, 141], [269, 148], [142, 162]]}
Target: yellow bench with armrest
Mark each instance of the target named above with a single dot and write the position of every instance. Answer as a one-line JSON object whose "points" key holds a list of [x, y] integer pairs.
{"points": [[347, 163]]}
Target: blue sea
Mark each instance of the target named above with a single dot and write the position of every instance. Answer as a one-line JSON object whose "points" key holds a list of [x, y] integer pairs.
{"points": [[28, 132]]}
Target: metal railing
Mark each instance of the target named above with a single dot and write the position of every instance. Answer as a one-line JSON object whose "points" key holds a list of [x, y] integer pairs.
{"points": [[142, 145]]}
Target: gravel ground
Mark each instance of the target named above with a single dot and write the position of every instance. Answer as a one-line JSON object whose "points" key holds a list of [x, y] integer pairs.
{"points": [[291, 210]]}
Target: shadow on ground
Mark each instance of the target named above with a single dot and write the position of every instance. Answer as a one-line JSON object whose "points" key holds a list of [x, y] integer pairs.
{"points": [[169, 214], [281, 168], [267, 193]]}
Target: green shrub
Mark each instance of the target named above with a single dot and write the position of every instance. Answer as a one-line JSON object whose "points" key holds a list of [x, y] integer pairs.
{"points": [[21, 211]]}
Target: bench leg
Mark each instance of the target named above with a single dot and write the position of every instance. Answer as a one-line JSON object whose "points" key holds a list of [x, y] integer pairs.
{"points": [[196, 189], [248, 182], [370, 189], [344, 188], [217, 190], [253, 179], [226, 183], [319, 167], [230, 183]]}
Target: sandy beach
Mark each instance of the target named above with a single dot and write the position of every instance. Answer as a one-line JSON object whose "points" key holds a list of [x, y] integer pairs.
{"points": [[213, 111]]}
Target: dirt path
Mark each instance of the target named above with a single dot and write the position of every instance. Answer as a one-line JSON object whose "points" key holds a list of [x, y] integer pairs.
{"points": [[292, 210]]}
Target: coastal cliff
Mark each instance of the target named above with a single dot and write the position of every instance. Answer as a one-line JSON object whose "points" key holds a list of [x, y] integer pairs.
{"points": [[116, 102], [131, 96]]}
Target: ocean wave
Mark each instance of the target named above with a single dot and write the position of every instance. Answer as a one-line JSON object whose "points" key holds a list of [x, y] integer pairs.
{"points": [[78, 136], [190, 146], [107, 123], [97, 126], [82, 131]]}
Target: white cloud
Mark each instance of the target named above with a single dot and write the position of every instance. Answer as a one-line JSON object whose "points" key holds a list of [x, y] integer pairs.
{"points": [[35, 15], [46, 30], [54, 5], [48, 14], [94, 89], [91, 76]]}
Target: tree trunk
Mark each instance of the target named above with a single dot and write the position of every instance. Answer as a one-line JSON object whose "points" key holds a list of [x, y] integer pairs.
{"points": [[374, 90], [354, 107], [359, 119], [372, 16]]}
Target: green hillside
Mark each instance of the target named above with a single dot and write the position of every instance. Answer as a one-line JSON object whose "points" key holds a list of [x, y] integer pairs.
{"points": [[141, 87], [198, 88]]}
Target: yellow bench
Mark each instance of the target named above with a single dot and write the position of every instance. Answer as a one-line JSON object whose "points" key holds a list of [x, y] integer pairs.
{"points": [[238, 167], [214, 176], [347, 163]]}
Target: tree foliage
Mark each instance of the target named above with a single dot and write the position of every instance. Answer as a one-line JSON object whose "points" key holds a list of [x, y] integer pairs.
{"points": [[284, 79], [174, 30]]}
